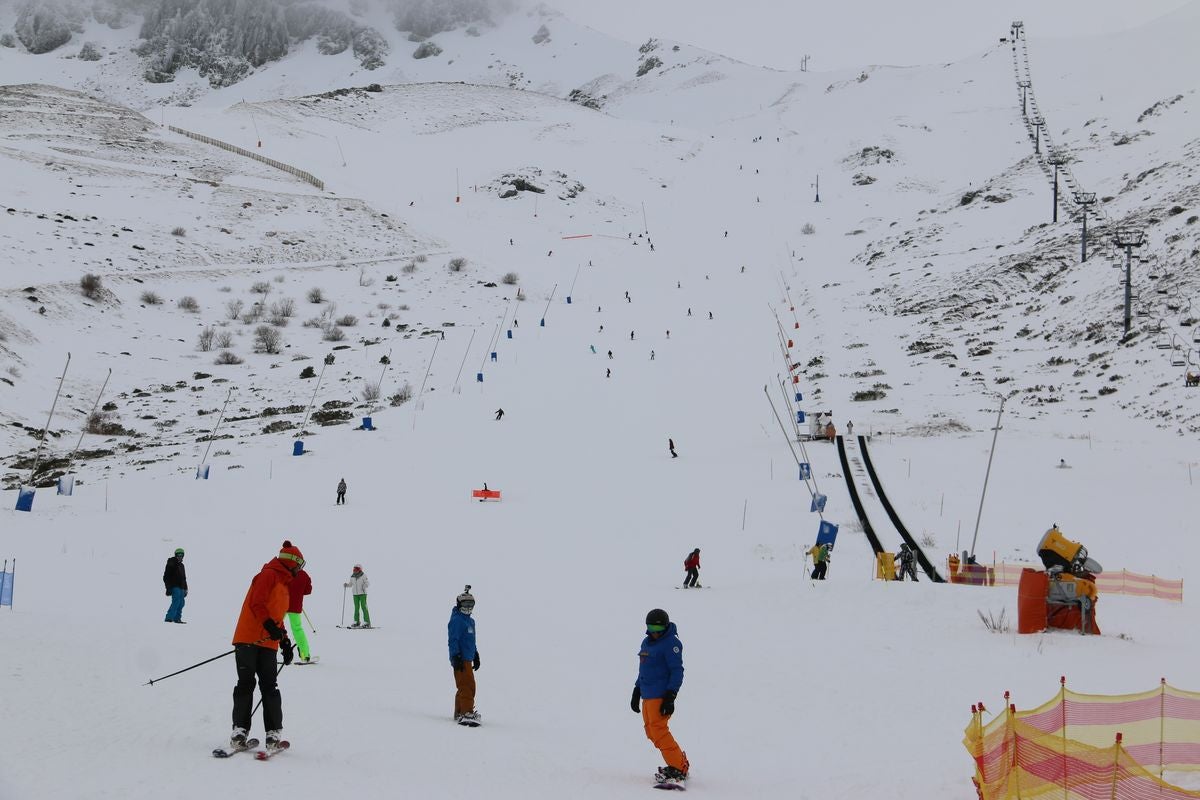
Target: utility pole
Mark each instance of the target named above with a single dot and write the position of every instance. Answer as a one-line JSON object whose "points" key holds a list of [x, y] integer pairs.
{"points": [[804, 63], [1056, 159], [1037, 123], [1129, 239], [987, 474], [1025, 86], [818, 185], [1084, 200]]}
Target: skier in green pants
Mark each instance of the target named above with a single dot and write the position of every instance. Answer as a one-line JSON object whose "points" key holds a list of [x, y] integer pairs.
{"points": [[358, 580], [301, 585]]}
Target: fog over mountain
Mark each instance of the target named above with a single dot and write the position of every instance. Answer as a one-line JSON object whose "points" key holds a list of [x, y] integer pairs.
{"points": [[225, 39]]}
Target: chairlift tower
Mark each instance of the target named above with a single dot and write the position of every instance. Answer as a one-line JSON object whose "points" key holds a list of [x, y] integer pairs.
{"points": [[1084, 200], [1055, 158], [1025, 87], [1038, 123], [1018, 27], [1129, 239]]}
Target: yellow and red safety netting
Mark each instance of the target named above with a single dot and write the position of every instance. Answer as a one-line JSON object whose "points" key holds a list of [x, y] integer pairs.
{"points": [[1123, 582], [1086, 747]]}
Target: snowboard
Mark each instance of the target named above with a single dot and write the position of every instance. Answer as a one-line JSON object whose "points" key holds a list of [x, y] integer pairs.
{"points": [[671, 785], [264, 755], [226, 752], [701, 586]]}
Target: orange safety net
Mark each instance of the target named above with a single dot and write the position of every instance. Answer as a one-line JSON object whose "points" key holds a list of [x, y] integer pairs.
{"points": [[1086, 747], [1123, 582]]}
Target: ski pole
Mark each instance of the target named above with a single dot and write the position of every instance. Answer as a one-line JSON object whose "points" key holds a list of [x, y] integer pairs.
{"points": [[314, 627], [343, 608], [259, 703], [202, 663]]}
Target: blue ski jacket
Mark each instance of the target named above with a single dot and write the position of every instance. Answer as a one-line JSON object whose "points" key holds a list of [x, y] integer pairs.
{"points": [[661, 667], [461, 632]]}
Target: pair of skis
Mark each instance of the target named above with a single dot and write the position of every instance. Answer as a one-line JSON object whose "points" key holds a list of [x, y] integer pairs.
{"points": [[252, 744]]}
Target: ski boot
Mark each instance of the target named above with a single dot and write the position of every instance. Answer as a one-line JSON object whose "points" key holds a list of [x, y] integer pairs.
{"points": [[672, 778], [237, 739], [470, 719], [273, 740]]}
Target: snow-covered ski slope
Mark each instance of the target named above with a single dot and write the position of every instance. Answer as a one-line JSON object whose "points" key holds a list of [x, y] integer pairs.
{"points": [[847, 688]]}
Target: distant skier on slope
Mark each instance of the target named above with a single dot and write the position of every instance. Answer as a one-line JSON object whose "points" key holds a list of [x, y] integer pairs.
{"points": [[820, 557], [464, 658], [692, 565], [671, 448], [358, 584], [660, 676], [175, 582], [908, 563], [341, 493], [499, 414]]}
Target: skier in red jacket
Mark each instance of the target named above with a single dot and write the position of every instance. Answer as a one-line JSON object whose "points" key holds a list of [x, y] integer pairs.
{"points": [[692, 565], [300, 586]]}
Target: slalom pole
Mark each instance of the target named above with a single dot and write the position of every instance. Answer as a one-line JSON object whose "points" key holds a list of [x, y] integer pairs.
{"points": [[11, 581], [549, 300], [310, 624], [71, 458], [421, 391], [38, 458], [308, 410]]}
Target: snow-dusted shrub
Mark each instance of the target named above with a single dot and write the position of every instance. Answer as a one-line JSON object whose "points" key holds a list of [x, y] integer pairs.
{"points": [[285, 307], [224, 340], [308, 372], [179, 230], [151, 298], [421, 258], [90, 285], [315, 295], [510, 278], [348, 321], [427, 17], [188, 303], [89, 52], [409, 268], [223, 40], [542, 35], [403, 396], [267, 339], [43, 25], [994, 623], [334, 334], [233, 309], [648, 47], [261, 287], [809, 229], [226, 357], [427, 49], [7, 40], [457, 264], [370, 392], [206, 338], [370, 48], [648, 63]]}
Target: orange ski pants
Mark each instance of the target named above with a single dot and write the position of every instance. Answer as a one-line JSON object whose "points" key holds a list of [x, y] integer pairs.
{"points": [[659, 733], [464, 684]]}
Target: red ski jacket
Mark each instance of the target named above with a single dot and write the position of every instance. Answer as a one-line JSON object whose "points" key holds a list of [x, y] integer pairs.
{"points": [[692, 562], [301, 585]]}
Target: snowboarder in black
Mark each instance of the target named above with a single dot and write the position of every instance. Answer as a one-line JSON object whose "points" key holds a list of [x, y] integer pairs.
{"points": [[499, 414], [175, 582], [671, 447], [341, 492]]}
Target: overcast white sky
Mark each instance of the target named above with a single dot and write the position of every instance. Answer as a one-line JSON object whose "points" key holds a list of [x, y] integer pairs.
{"points": [[840, 34]]}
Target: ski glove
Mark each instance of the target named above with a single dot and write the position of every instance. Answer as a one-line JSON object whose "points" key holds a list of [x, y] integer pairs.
{"points": [[457, 663], [668, 704], [475, 663], [289, 652], [273, 630], [635, 701]]}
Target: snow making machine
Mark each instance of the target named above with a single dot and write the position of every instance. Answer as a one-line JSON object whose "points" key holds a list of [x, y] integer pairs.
{"points": [[1064, 594]]}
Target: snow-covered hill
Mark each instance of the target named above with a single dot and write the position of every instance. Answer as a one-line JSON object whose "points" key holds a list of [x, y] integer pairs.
{"points": [[927, 278]]}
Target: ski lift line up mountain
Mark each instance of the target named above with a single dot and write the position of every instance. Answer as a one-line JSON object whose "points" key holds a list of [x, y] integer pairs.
{"points": [[855, 500], [925, 563]]}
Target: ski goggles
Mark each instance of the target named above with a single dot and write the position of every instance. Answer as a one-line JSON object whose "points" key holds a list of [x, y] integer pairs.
{"points": [[289, 557], [655, 628]]}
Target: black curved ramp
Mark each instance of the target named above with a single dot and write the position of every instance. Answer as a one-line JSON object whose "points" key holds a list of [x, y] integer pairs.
{"points": [[858, 506], [928, 567]]}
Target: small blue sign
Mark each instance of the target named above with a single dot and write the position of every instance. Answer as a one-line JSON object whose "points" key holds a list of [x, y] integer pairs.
{"points": [[818, 502], [805, 471], [202, 472], [827, 533]]}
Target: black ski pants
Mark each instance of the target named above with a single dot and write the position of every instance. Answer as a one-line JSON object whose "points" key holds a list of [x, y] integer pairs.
{"points": [[341, 498], [908, 568], [256, 662], [693, 575], [818, 573]]}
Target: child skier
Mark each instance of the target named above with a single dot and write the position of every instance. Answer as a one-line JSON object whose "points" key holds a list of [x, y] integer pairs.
{"points": [[692, 565], [301, 585], [908, 563], [464, 658], [660, 675], [358, 580]]}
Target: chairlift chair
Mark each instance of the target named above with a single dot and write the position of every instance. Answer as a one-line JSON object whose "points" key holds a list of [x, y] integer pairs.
{"points": [[1178, 359], [1163, 342]]}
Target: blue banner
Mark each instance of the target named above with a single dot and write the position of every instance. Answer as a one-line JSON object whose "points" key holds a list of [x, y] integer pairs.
{"points": [[818, 502], [805, 471], [6, 588], [827, 533]]}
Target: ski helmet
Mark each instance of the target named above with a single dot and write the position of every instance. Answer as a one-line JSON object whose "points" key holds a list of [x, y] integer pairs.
{"points": [[657, 617], [179, 551], [465, 602]]}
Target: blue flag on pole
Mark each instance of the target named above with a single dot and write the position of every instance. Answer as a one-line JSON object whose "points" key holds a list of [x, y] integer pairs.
{"points": [[805, 471], [827, 533], [6, 588], [818, 502]]}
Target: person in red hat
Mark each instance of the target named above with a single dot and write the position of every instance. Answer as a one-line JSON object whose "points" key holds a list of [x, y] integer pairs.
{"points": [[258, 636], [300, 586]]}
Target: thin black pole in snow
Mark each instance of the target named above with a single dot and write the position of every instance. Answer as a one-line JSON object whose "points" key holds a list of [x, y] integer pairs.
{"points": [[987, 474], [571, 291], [220, 418], [343, 623], [37, 459], [382, 372], [645, 225], [185, 669], [466, 353], [95, 405], [417, 402], [316, 389], [549, 300]]}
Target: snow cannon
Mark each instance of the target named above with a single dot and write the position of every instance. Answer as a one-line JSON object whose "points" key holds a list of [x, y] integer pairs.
{"points": [[1060, 554]]}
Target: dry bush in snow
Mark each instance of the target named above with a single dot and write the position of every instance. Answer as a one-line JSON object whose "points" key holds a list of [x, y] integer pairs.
{"points": [[90, 285], [188, 303], [267, 339]]}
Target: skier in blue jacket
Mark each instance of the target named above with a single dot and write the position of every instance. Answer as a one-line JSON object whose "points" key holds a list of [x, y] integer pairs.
{"points": [[660, 675], [464, 658]]}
